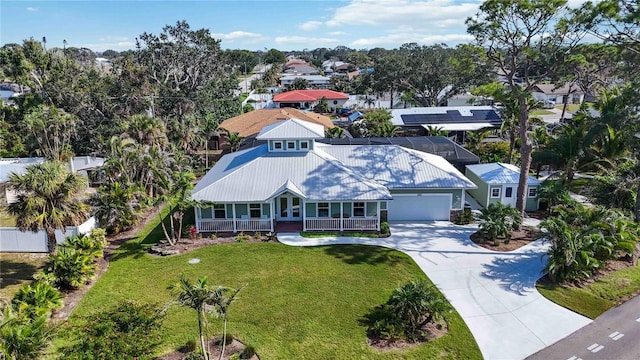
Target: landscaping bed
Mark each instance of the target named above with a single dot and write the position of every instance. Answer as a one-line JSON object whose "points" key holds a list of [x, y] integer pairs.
{"points": [[518, 239]]}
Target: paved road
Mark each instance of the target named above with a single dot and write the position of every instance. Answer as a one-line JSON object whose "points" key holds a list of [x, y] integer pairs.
{"points": [[613, 335], [494, 292], [259, 70]]}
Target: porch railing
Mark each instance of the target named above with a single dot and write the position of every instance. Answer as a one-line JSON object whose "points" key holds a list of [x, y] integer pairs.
{"points": [[226, 225], [360, 223]]}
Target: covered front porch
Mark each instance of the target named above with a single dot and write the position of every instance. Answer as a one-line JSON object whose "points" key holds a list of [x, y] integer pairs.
{"points": [[290, 208]]}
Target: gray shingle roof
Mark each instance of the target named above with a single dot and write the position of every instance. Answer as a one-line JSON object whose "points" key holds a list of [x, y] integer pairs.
{"points": [[500, 173]]}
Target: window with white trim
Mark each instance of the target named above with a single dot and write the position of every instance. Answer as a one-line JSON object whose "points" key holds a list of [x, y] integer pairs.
{"points": [[219, 211], [277, 145], [358, 209], [291, 145], [304, 145], [323, 209], [255, 210], [495, 192], [205, 213], [533, 192]]}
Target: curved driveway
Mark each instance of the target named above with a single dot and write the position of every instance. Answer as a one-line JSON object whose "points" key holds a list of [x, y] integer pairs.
{"points": [[494, 292]]}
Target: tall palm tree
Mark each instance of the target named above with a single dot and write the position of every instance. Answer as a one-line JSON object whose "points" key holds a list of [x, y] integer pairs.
{"points": [[178, 195], [436, 131], [234, 140], [474, 139], [47, 199], [146, 130], [227, 297], [200, 297]]}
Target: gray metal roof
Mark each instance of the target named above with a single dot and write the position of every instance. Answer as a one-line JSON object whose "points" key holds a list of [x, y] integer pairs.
{"points": [[440, 115], [258, 175], [291, 129], [398, 167], [500, 173]]}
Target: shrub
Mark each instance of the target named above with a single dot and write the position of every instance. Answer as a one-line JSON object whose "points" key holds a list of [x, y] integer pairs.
{"points": [[92, 244], [37, 299], [126, 331], [23, 338], [498, 220], [384, 228], [69, 268], [242, 237], [464, 217], [248, 352]]}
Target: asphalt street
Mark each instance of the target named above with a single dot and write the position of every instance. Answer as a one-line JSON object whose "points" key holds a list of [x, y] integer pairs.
{"points": [[614, 335]]}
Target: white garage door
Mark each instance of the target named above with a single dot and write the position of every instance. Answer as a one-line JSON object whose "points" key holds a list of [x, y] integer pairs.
{"points": [[419, 208]]}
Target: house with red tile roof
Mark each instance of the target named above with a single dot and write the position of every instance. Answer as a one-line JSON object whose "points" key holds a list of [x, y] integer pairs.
{"points": [[307, 99]]}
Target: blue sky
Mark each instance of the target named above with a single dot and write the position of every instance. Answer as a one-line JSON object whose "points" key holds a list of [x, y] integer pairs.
{"points": [[253, 25]]}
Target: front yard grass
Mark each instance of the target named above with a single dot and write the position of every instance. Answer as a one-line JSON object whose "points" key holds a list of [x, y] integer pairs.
{"points": [[6, 220], [597, 297], [17, 269], [300, 303]]}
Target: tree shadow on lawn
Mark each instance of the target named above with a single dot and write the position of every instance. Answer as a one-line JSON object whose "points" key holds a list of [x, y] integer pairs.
{"points": [[517, 274], [16, 272], [364, 254], [137, 247]]}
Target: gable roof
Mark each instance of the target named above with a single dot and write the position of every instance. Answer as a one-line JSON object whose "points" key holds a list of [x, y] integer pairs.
{"points": [[550, 89], [309, 95], [258, 175], [435, 116], [500, 173], [291, 129], [250, 124], [397, 167]]}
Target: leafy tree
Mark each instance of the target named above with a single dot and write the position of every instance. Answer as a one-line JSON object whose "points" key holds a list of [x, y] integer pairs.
{"points": [[335, 133], [234, 140], [525, 40], [108, 334], [52, 129], [498, 220], [178, 195], [374, 124], [146, 130], [47, 199], [323, 106], [69, 268], [474, 140], [274, 57]]}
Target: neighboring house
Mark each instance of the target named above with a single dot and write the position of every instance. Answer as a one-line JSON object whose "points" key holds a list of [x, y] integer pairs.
{"points": [[294, 179], [315, 81], [459, 118], [566, 94], [250, 124], [259, 101], [79, 164], [308, 99], [498, 182], [302, 70]]}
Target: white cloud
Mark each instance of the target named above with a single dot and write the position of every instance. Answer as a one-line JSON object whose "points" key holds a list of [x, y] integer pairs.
{"points": [[336, 33], [310, 25], [239, 35], [420, 14], [396, 39], [32, 9], [297, 40]]}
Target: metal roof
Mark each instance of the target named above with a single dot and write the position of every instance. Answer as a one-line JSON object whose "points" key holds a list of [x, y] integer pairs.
{"points": [[436, 116], [398, 167], [258, 175], [459, 126], [291, 129], [500, 173]]}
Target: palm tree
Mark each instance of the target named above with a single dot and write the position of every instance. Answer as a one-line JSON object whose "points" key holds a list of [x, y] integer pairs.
{"points": [[474, 139], [335, 133], [222, 304], [47, 199], [22, 338], [387, 129], [436, 131], [37, 299], [179, 195], [117, 207], [234, 140], [199, 297], [146, 130]]}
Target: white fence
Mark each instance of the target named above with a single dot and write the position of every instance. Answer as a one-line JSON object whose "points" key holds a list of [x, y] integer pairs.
{"points": [[366, 223], [14, 240], [241, 225]]}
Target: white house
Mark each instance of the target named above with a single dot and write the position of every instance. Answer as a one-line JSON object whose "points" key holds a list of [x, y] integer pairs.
{"points": [[565, 94], [294, 179], [315, 81]]}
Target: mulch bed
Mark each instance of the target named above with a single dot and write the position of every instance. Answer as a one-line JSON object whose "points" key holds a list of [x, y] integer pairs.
{"points": [[518, 239], [433, 330], [235, 347], [186, 245]]}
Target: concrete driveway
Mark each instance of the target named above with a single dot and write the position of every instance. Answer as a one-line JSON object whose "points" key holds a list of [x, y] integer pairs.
{"points": [[494, 292]]}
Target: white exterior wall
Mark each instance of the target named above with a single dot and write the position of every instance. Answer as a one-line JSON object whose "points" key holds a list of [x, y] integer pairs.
{"points": [[14, 240]]}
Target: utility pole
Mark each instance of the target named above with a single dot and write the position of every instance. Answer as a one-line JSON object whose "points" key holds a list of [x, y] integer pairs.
{"points": [[246, 89]]}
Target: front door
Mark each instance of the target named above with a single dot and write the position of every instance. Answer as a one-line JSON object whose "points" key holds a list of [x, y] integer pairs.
{"points": [[509, 196], [289, 208]]}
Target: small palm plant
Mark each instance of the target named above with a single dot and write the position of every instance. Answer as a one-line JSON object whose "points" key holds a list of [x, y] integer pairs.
{"points": [[37, 299], [498, 220], [23, 338]]}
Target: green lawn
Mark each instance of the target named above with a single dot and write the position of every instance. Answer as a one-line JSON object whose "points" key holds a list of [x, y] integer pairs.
{"points": [[6, 220], [597, 297], [539, 112], [17, 269], [570, 107], [300, 303]]}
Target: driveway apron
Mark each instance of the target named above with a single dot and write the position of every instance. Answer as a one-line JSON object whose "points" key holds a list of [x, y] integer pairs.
{"points": [[494, 292]]}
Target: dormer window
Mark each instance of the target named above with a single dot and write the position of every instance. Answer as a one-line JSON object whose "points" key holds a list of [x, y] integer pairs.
{"points": [[291, 145], [304, 145], [277, 145]]}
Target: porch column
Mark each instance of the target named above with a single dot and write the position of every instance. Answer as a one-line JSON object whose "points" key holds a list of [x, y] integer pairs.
{"points": [[463, 198], [198, 218], [341, 219], [271, 214], [303, 203], [378, 215], [233, 211]]}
